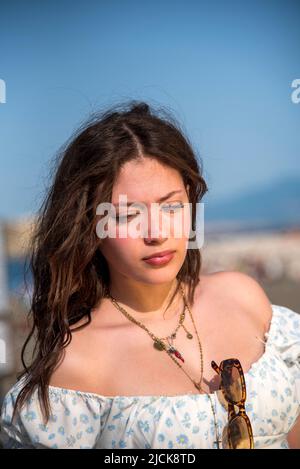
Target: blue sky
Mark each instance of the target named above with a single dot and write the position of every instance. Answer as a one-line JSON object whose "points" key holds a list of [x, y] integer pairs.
{"points": [[224, 69]]}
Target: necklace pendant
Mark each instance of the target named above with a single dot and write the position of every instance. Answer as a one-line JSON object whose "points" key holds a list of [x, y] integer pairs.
{"points": [[178, 355], [189, 335], [159, 345]]}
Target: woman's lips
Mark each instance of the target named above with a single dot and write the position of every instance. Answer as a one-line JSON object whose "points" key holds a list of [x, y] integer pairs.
{"points": [[162, 260]]}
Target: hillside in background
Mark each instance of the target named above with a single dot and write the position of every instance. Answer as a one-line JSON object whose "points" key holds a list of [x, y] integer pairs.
{"points": [[273, 205]]}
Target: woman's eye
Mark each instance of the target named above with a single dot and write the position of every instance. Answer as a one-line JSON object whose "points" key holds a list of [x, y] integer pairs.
{"points": [[168, 207], [124, 218], [172, 207]]}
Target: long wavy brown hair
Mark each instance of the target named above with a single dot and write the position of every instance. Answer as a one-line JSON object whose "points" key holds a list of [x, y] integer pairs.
{"points": [[70, 275]]}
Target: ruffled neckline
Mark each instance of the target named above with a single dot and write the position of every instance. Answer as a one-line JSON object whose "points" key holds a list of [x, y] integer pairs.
{"points": [[269, 335]]}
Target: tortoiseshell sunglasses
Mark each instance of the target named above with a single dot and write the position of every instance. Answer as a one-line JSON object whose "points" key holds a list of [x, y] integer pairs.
{"points": [[238, 432]]}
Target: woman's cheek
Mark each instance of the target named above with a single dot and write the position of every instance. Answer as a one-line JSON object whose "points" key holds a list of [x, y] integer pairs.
{"points": [[124, 247]]}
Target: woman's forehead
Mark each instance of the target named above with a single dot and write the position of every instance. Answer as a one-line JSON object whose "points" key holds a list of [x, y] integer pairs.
{"points": [[143, 185], [145, 169]]}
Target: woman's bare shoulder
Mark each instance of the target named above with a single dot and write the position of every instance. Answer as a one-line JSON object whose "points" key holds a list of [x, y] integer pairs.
{"points": [[243, 290], [79, 360]]}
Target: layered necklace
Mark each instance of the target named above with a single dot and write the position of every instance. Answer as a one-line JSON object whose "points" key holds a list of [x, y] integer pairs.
{"points": [[167, 344]]}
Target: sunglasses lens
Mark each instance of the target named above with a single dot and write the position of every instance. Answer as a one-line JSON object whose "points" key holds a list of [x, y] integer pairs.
{"points": [[232, 383], [239, 434]]}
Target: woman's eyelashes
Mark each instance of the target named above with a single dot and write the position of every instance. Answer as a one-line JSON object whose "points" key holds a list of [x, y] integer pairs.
{"points": [[170, 208], [173, 207]]}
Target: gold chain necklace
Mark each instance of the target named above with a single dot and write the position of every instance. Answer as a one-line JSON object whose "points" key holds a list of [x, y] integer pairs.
{"points": [[159, 345], [158, 342]]}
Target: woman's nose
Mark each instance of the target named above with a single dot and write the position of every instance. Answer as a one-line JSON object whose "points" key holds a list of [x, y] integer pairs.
{"points": [[155, 229]]}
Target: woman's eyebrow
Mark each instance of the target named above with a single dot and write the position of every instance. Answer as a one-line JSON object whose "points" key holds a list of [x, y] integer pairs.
{"points": [[165, 197]]}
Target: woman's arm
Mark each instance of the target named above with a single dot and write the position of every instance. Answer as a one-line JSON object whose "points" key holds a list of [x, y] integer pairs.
{"points": [[294, 435]]}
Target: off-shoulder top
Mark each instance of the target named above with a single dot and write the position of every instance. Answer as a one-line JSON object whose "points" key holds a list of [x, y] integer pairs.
{"points": [[89, 420]]}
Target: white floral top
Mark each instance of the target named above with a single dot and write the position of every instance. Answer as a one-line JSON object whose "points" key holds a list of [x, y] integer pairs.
{"points": [[89, 420]]}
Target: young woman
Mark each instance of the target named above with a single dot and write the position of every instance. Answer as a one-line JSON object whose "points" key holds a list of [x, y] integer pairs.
{"points": [[123, 344]]}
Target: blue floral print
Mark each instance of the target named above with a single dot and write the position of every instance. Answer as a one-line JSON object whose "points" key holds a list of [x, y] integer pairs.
{"points": [[89, 420]]}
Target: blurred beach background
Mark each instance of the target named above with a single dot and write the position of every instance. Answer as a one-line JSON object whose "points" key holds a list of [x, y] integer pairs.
{"points": [[223, 69]]}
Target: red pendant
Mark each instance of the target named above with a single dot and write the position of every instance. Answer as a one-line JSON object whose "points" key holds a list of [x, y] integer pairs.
{"points": [[178, 355]]}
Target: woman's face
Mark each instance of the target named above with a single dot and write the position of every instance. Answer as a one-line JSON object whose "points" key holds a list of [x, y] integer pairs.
{"points": [[147, 182]]}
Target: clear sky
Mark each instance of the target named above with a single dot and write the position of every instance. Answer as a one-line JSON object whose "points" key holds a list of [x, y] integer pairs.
{"points": [[223, 68]]}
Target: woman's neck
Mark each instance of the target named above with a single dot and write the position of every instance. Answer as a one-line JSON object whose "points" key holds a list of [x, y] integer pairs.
{"points": [[146, 301]]}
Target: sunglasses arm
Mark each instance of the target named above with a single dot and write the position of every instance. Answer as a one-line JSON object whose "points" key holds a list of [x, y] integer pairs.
{"points": [[215, 367]]}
